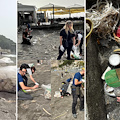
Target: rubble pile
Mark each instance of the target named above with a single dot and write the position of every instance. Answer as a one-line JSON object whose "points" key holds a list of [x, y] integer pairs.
{"points": [[105, 18]]}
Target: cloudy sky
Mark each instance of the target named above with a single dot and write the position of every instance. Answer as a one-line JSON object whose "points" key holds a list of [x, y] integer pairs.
{"points": [[40, 3], [8, 18]]}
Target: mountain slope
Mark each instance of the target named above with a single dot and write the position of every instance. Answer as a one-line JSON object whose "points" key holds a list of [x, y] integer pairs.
{"points": [[6, 43]]}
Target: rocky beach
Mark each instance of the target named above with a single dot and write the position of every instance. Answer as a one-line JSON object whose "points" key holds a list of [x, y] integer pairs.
{"points": [[62, 107], [7, 88], [34, 109], [45, 44]]}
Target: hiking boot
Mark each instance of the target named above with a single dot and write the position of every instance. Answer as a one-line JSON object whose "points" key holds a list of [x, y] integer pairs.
{"points": [[74, 115]]}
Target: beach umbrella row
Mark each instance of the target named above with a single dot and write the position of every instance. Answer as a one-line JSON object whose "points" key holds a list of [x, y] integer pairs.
{"points": [[51, 7], [60, 10]]}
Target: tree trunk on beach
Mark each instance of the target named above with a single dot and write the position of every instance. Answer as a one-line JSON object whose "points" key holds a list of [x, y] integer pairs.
{"points": [[95, 93]]}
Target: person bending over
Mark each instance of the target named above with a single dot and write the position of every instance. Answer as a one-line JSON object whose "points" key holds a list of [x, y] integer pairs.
{"points": [[76, 92], [22, 95], [30, 70]]}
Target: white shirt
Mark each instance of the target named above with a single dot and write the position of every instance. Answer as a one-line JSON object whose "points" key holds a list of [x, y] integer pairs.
{"points": [[79, 36]]}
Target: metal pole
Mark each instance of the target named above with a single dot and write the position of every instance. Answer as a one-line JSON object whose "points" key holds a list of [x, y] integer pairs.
{"points": [[69, 14], [53, 13]]}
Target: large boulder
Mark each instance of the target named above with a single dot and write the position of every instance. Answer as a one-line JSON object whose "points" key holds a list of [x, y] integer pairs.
{"points": [[8, 79]]}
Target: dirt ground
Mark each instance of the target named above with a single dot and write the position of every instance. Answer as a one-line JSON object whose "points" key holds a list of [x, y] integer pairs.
{"points": [[33, 109], [62, 107], [45, 44], [7, 106]]}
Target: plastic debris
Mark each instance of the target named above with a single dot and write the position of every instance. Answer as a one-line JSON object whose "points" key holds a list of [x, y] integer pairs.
{"points": [[114, 59], [117, 91], [57, 94], [47, 93], [103, 75], [109, 90]]}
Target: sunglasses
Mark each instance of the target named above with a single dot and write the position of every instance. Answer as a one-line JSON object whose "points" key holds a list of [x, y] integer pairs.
{"points": [[24, 71]]}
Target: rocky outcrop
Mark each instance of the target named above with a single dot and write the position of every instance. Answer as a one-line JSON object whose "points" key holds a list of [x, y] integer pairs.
{"points": [[8, 79]]}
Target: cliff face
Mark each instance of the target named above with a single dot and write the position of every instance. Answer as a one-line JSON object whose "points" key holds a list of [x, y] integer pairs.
{"points": [[6, 43]]}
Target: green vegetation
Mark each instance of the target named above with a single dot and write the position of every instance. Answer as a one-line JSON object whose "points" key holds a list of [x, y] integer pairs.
{"points": [[80, 63], [66, 62], [6, 43], [53, 67]]}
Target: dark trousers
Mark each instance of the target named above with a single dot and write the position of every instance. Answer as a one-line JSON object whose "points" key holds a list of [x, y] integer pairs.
{"points": [[63, 93], [24, 96], [69, 49], [80, 46], [75, 97], [25, 41]]}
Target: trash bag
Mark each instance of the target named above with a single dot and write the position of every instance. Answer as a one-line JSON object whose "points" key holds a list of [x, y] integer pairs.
{"points": [[57, 94], [47, 93]]}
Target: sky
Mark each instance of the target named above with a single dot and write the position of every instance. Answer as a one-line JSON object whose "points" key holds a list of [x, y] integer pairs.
{"points": [[40, 3], [65, 3], [8, 19], [8, 13]]}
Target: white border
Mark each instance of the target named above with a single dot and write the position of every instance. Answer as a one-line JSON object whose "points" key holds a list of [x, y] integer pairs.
{"points": [[85, 106], [16, 63]]}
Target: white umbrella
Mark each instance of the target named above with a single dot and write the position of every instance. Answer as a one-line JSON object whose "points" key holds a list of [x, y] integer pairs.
{"points": [[76, 8], [51, 7]]}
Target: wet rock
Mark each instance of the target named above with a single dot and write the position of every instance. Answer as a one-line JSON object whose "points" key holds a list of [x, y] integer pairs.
{"points": [[8, 79]]}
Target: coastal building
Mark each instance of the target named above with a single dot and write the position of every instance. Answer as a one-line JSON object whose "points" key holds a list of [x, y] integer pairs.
{"points": [[26, 14]]}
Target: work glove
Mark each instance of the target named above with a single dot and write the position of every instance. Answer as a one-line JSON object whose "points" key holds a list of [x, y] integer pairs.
{"points": [[36, 83], [28, 39], [74, 47], [62, 48], [83, 80]]}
